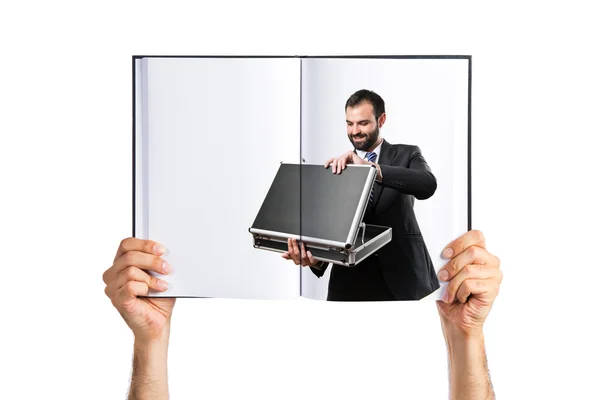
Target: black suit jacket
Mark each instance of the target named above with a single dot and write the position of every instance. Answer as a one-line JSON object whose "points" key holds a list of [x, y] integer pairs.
{"points": [[405, 262]]}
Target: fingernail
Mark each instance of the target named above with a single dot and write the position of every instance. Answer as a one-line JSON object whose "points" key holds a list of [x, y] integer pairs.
{"points": [[445, 297], [448, 253], [159, 249], [166, 268], [443, 275], [308, 253], [162, 285]]}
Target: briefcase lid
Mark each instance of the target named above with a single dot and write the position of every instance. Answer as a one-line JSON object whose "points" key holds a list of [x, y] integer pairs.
{"points": [[310, 203]]}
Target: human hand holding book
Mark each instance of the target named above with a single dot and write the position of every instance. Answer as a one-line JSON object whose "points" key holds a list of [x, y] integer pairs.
{"points": [[148, 318], [474, 277], [471, 292], [129, 278]]}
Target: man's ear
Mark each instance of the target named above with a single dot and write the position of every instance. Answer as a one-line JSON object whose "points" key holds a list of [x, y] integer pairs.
{"points": [[381, 120]]}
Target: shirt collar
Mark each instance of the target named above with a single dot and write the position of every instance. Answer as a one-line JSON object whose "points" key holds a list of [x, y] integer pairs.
{"points": [[362, 153]]}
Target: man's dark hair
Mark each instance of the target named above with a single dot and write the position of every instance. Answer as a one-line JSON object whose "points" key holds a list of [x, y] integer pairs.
{"points": [[370, 97]]}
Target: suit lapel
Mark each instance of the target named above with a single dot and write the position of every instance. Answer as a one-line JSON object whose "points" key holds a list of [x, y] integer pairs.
{"points": [[386, 155]]}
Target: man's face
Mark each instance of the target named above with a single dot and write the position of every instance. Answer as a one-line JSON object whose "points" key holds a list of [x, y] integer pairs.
{"points": [[363, 130]]}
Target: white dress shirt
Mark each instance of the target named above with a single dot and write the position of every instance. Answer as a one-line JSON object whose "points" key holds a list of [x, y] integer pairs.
{"points": [[363, 154]]}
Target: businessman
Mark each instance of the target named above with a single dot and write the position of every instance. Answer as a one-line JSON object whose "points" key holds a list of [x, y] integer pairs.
{"points": [[402, 269], [472, 273]]}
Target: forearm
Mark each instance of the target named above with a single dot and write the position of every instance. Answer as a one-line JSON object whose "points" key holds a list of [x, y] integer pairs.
{"points": [[468, 370], [149, 376], [419, 183]]}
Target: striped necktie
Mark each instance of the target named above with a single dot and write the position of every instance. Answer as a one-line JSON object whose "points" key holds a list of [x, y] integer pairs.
{"points": [[371, 156]]}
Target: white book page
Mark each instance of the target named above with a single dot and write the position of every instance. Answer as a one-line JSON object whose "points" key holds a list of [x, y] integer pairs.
{"points": [[426, 102], [211, 134]]}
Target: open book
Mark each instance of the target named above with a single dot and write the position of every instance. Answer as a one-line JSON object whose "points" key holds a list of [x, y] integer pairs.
{"points": [[223, 146]]}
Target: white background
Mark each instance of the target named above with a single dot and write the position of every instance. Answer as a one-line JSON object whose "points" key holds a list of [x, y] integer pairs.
{"points": [[426, 103], [65, 101]]}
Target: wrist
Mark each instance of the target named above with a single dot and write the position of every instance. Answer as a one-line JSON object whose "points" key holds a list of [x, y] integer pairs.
{"points": [[154, 341], [455, 334], [461, 343], [151, 354], [379, 177], [150, 346]]}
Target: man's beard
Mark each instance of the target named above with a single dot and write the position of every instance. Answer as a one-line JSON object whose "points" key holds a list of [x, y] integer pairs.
{"points": [[371, 139]]}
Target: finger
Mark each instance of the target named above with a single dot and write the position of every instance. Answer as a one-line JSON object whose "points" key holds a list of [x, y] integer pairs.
{"points": [[295, 252], [472, 255], [138, 275], [471, 272], [286, 255], [344, 162], [132, 289], [339, 165], [311, 259], [135, 244], [290, 251], [487, 288], [328, 162], [135, 274], [305, 260], [137, 259], [457, 246]]}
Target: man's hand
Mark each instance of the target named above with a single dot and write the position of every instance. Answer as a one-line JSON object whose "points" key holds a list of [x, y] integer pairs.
{"points": [[148, 318], [339, 164], [474, 281], [299, 254], [474, 278]]}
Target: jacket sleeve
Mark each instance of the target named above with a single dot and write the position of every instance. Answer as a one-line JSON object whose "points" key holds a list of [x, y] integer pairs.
{"points": [[319, 272], [416, 180]]}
